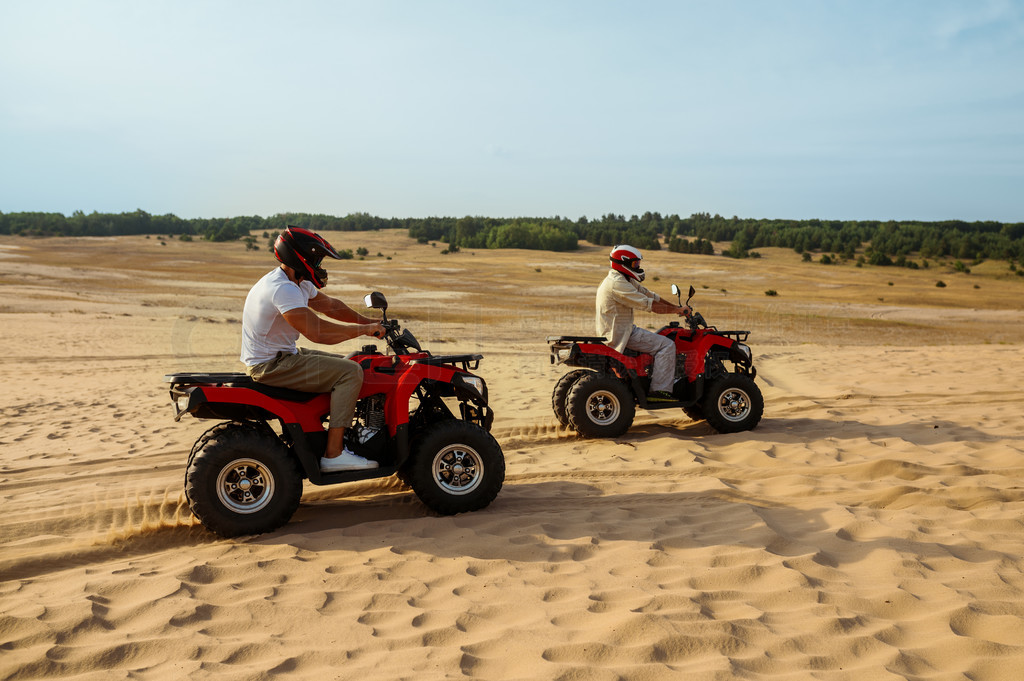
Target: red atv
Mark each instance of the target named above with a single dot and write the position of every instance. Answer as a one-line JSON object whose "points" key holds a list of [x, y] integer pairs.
{"points": [[599, 399], [245, 476]]}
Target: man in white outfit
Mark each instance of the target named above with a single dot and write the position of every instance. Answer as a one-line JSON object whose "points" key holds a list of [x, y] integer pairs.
{"points": [[619, 294]]}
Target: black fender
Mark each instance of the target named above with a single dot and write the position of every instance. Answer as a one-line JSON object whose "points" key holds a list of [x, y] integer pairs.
{"points": [[473, 406], [308, 448]]}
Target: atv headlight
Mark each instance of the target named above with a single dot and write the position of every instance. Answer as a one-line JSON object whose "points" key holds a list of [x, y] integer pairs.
{"points": [[183, 403], [476, 383], [741, 353]]}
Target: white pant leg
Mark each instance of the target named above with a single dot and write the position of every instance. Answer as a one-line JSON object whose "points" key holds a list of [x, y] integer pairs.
{"points": [[664, 351]]}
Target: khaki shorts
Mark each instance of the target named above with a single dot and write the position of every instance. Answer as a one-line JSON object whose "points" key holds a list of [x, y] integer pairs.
{"points": [[315, 371]]}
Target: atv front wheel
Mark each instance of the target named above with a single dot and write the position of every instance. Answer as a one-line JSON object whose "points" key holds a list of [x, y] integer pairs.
{"points": [[457, 467], [733, 404], [242, 480], [600, 406], [560, 395]]}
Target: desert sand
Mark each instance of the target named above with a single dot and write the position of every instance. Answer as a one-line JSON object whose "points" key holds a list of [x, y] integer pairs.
{"points": [[869, 528]]}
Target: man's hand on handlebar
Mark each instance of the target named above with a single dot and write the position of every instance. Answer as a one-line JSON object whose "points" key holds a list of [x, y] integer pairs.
{"points": [[376, 330], [684, 310]]}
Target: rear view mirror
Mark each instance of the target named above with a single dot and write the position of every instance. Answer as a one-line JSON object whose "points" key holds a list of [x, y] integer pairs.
{"points": [[376, 300], [676, 292]]}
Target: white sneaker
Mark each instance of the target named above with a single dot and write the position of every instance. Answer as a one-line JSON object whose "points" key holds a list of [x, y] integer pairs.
{"points": [[347, 461]]}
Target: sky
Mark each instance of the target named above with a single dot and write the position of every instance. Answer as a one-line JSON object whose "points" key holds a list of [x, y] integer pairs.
{"points": [[833, 109]]}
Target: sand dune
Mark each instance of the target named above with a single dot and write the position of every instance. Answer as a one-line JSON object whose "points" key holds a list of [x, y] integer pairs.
{"points": [[871, 527]]}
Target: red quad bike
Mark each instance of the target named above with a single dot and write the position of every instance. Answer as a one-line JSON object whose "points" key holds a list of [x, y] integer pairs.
{"points": [[245, 476], [599, 398]]}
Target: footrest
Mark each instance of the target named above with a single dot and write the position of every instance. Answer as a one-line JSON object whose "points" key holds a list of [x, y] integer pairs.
{"points": [[666, 405], [353, 476]]}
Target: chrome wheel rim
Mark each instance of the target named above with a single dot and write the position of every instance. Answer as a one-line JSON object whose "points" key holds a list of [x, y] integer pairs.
{"points": [[603, 407], [734, 405], [458, 469], [245, 486]]}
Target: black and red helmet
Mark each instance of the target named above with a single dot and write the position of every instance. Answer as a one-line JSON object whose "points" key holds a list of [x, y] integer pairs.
{"points": [[626, 259], [303, 250]]}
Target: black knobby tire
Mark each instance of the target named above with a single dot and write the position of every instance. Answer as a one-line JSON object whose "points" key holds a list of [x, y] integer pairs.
{"points": [[560, 395], [209, 433], [242, 480], [456, 467], [600, 405], [733, 404]]}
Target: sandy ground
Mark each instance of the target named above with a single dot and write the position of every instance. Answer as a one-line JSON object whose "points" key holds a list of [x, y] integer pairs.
{"points": [[869, 528]]}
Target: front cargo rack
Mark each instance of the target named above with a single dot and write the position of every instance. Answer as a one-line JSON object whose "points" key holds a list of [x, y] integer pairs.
{"points": [[468, 362]]}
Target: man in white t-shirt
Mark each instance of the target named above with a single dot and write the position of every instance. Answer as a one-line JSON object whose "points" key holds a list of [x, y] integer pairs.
{"points": [[282, 306]]}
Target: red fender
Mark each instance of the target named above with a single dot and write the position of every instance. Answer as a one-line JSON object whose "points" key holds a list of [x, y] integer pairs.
{"points": [[309, 415]]}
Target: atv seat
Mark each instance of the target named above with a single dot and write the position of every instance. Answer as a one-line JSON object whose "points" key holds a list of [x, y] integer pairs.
{"points": [[239, 380]]}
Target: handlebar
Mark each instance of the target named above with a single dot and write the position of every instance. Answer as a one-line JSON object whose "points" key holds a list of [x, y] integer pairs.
{"points": [[391, 330], [696, 321], [401, 342]]}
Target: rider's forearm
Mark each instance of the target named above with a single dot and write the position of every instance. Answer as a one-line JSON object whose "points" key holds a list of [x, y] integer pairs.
{"points": [[343, 313], [664, 307], [328, 333]]}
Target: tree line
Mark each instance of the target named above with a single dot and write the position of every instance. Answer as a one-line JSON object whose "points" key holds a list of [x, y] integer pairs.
{"points": [[887, 241], [141, 222]]}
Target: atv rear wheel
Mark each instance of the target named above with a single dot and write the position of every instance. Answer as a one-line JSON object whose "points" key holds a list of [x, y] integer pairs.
{"points": [[242, 480], [456, 467], [600, 406], [733, 404], [560, 395]]}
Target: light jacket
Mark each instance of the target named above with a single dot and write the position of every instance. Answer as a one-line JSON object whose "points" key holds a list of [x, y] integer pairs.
{"points": [[617, 297]]}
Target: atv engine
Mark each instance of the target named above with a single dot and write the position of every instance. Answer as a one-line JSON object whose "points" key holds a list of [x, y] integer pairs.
{"points": [[369, 418]]}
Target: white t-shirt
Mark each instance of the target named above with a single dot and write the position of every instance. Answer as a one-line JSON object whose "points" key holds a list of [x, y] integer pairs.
{"points": [[265, 332]]}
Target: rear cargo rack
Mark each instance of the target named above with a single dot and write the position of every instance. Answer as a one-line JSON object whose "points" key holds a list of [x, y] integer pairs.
{"points": [[738, 335], [218, 379], [576, 339]]}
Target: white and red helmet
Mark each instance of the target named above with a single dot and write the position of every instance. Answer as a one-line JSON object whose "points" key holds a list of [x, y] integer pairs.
{"points": [[303, 250], [626, 259]]}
